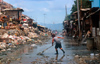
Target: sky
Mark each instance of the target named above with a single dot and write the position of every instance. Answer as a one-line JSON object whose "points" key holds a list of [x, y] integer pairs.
{"points": [[44, 11]]}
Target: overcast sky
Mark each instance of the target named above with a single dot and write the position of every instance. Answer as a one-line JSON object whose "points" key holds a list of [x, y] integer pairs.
{"points": [[54, 10]]}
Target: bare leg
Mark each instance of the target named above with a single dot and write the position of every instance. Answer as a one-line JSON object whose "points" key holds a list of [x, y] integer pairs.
{"points": [[56, 50], [62, 50]]}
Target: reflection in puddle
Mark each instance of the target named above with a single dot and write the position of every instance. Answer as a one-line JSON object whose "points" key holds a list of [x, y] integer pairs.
{"points": [[59, 60], [14, 55]]}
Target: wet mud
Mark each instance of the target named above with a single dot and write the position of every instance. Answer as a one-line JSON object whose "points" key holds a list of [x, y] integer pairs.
{"points": [[74, 54]]}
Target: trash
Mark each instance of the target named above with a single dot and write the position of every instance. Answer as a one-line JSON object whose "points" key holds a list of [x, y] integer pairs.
{"points": [[9, 49], [5, 35], [33, 45], [13, 38], [32, 35], [33, 39]]}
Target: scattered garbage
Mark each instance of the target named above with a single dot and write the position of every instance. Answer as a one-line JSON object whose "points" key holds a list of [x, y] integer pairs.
{"points": [[33, 45], [12, 39]]}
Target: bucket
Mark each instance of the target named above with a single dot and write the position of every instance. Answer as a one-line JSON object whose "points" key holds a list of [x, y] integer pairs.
{"points": [[98, 43], [90, 43]]}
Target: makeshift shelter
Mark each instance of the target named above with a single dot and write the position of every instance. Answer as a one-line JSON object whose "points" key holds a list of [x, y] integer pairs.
{"points": [[14, 13]]}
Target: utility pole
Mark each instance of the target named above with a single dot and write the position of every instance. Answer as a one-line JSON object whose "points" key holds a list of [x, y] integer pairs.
{"points": [[44, 23], [78, 15], [66, 10], [44, 19]]}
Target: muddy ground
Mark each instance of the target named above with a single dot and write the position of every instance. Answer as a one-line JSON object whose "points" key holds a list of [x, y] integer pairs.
{"points": [[74, 54]]}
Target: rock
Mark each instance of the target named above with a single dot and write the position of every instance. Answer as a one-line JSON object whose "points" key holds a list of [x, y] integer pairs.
{"points": [[92, 54], [77, 56], [26, 54], [81, 59], [18, 59]]}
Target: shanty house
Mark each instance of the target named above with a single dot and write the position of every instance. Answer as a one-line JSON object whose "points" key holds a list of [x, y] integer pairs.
{"points": [[14, 13]]}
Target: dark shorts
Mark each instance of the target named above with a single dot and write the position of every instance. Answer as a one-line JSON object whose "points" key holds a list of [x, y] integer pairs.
{"points": [[58, 46]]}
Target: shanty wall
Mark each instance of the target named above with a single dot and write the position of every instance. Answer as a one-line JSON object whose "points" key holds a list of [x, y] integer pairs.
{"points": [[13, 14]]}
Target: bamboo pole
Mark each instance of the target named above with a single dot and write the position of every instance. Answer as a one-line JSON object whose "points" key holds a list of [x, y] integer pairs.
{"points": [[78, 15]]}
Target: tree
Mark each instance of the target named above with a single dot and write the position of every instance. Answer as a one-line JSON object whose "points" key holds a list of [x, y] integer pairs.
{"points": [[85, 4], [67, 18], [74, 7]]}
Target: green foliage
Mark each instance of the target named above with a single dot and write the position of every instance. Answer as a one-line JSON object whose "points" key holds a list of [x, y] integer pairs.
{"points": [[74, 7], [85, 4], [67, 17]]}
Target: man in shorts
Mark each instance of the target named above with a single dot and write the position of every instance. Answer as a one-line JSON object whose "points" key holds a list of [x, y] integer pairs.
{"points": [[58, 43]]}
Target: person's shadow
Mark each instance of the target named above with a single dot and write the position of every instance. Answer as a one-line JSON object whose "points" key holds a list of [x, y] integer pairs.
{"points": [[59, 60]]}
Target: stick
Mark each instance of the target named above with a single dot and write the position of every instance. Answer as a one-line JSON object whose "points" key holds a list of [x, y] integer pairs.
{"points": [[46, 49]]}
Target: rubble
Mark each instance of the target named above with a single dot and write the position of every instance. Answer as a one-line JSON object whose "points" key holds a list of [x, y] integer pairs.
{"points": [[13, 39]]}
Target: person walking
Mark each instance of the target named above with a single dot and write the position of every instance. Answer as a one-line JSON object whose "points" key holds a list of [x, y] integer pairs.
{"points": [[58, 43]]}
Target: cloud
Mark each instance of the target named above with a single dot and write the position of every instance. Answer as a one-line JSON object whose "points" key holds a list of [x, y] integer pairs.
{"points": [[16, 5], [59, 5], [55, 9], [45, 10], [26, 9], [38, 0]]}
